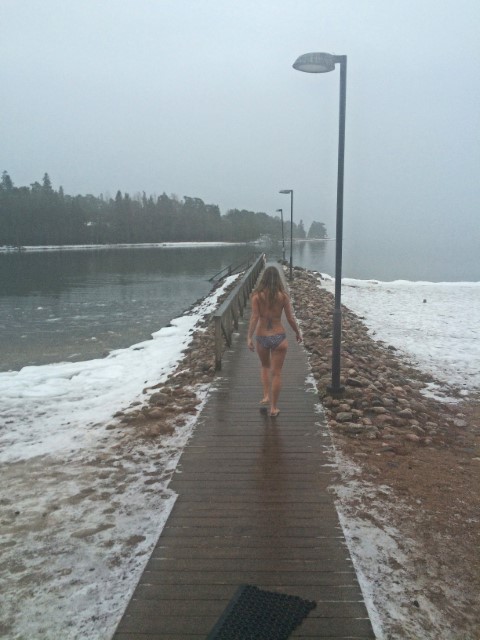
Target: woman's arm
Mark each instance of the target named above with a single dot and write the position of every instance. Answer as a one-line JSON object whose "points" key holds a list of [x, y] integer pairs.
{"points": [[253, 321], [291, 318]]}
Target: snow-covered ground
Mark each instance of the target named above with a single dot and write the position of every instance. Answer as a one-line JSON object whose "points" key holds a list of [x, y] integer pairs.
{"points": [[436, 326], [81, 506], [143, 245], [80, 510]]}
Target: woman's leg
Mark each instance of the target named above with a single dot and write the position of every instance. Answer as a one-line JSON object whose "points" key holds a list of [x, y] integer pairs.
{"points": [[277, 359], [264, 355]]}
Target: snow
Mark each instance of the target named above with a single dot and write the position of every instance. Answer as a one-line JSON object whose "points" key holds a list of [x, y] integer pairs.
{"points": [[435, 326], [53, 407], [389, 580], [89, 247], [82, 506]]}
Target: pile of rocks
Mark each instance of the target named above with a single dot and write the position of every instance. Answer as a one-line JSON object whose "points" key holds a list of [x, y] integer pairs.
{"points": [[382, 397]]}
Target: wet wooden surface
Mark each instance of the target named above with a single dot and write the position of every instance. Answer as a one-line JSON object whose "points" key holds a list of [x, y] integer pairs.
{"points": [[254, 508]]}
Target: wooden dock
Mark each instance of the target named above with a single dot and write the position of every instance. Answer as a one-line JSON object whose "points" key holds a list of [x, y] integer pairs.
{"points": [[253, 508]]}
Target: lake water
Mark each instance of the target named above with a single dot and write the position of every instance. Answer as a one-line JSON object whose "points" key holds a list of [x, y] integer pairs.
{"points": [[77, 305]]}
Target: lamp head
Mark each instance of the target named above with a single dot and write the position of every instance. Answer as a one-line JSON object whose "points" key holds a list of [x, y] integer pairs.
{"points": [[315, 62], [286, 191], [281, 210]]}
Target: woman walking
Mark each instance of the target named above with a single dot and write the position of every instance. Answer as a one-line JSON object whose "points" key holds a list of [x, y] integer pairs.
{"points": [[269, 300]]}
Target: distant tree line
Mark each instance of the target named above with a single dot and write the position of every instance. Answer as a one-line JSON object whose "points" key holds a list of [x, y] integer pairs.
{"points": [[39, 215]]}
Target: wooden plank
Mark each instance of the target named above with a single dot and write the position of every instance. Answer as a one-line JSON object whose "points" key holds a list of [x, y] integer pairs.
{"points": [[182, 608], [311, 627], [189, 592], [253, 507], [247, 552], [269, 578]]}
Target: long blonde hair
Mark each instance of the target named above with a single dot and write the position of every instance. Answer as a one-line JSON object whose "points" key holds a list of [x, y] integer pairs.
{"points": [[271, 284]]}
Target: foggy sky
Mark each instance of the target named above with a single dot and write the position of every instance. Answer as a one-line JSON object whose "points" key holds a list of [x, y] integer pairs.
{"points": [[199, 98]]}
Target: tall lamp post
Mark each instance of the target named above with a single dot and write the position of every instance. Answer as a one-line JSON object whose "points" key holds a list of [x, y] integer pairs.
{"points": [[283, 234], [322, 63], [290, 191]]}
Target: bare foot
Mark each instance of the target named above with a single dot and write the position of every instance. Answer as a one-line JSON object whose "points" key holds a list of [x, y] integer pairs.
{"points": [[274, 413], [265, 401]]}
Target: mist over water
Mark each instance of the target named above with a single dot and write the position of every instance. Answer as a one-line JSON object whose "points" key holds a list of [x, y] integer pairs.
{"points": [[390, 260]]}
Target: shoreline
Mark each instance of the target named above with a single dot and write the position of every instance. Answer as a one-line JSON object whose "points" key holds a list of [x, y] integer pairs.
{"points": [[89, 247], [79, 523], [124, 475]]}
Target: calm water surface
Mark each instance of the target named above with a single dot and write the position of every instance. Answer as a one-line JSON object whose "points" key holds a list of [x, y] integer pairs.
{"points": [[77, 305]]}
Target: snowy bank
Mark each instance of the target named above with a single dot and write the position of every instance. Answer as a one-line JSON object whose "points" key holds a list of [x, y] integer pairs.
{"points": [[436, 326], [83, 505]]}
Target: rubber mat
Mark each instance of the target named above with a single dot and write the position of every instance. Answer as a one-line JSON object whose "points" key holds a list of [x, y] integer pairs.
{"points": [[254, 614]]}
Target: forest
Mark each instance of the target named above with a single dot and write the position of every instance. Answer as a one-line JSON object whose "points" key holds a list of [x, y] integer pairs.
{"points": [[39, 215]]}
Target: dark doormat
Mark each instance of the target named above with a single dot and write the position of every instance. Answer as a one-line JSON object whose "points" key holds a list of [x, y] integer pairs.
{"points": [[254, 614]]}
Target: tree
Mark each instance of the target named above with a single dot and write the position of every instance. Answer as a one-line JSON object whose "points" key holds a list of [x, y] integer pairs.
{"points": [[6, 184], [47, 184], [301, 231], [317, 230], [40, 215]]}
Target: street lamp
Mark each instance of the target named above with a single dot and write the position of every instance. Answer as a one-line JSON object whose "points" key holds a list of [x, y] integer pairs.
{"points": [[322, 63], [283, 235], [290, 191]]}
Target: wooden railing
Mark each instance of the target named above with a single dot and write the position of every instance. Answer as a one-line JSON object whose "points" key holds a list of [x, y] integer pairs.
{"points": [[233, 269], [227, 315]]}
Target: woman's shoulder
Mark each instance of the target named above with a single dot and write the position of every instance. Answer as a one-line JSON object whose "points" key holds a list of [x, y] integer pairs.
{"points": [[255, 297]]}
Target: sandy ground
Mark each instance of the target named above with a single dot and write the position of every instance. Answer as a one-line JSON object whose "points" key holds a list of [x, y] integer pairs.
{"points": [[420, 509]]}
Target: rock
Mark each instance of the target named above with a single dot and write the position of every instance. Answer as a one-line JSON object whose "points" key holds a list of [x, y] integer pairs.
{"points": [[379, 410], [154, 414], [160, 429], [354, 382], [405, 413], [388, 402], [159, 398], [344, 416], [351, 428], [412, 437]]}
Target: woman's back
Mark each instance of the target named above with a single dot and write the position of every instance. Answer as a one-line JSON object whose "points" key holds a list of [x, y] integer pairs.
{"points": [[269, 312]]}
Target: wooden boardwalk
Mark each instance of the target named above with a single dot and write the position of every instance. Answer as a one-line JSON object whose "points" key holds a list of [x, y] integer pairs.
{"points": [[254, 508]]}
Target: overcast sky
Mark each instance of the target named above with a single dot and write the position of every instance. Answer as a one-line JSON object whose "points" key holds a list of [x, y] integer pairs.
{"points": [[199, 98]]}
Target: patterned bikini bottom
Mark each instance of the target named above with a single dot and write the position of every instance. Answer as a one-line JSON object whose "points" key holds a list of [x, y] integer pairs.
{"points": [[271, 342]]}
